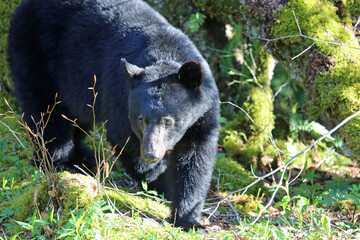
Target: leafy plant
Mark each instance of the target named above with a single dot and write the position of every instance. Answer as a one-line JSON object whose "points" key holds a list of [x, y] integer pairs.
{"points": [[85, 223], [34, 225], [308, 189], [144, 185], [298, 125], [195, 21]]}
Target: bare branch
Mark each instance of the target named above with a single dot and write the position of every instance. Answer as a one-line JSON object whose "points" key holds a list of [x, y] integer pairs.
{"points": [[280, 88], [285, 166], [297, 22], [303, 36], [307, 49], [13, 133]]}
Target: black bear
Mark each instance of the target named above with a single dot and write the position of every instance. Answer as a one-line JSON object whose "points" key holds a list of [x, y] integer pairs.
{"points": [[153, 85]]}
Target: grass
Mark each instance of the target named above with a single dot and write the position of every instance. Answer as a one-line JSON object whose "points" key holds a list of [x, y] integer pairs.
{"points": [[83, 207]]}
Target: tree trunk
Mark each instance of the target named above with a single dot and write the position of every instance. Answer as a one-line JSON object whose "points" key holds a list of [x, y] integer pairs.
{"points": [[328, 72]]}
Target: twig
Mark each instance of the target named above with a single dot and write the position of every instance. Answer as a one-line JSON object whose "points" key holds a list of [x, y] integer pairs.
{"points": [[355, 26], [297, 22], [303, 36], [324, 160], [280, 88], [231, 206], [13, 133], [268, 134], [301, 171], [307, 49], [292, 158]]}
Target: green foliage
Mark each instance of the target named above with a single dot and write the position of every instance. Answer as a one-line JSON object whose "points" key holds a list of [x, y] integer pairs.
{"points": [[318, 19], [347, 8], [195, 21], [341, 194], [86, 223], [34, 225], [222, 7], [208, 38], [233, 176], [240, 136], [298, 125], [334, 92], [6, 9]]}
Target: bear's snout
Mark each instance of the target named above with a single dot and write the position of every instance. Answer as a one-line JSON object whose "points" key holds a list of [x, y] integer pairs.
{"points": [[151, 156], [153, 145]]}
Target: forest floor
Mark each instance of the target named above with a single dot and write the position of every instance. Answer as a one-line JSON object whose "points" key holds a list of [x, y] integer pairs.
{"points": [[320, 200]]}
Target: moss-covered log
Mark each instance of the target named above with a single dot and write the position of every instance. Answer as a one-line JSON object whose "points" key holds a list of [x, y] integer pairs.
{"points": [[329, 73]]}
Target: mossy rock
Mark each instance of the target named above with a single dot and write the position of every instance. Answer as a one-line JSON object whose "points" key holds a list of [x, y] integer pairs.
{"points": [[76, 191]]}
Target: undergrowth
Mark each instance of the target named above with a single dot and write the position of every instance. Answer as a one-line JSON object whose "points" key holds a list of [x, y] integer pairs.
{"points": [[36, 203]]}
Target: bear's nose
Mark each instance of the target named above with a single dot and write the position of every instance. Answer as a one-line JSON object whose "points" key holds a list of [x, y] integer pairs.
{"points": [[150, 157]]}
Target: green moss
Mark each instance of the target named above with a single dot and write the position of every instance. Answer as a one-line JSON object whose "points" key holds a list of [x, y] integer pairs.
{"points": [[233, 177], [79, 191], [6, 9], [23, 203], [317, 19], [333, 92], [354, 7], [127, 201], [76, 191], [338, 95], [221, 7], [347, 8], [241, 135], [265, 65], [234, 174]]}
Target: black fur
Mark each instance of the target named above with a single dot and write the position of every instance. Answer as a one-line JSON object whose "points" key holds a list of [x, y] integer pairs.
{"points": [[57, 46]]}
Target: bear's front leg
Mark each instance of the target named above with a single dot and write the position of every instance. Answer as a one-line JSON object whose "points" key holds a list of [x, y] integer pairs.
{"points": [[193, 176]]}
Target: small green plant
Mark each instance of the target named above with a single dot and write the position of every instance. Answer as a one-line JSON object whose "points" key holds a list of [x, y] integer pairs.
{"points": [[297, 126], [326, 226], [196, 20], [85, 223], [144, 185], [5, 214], [6, 191], [307, 188], [354, 195], [34, 225]]}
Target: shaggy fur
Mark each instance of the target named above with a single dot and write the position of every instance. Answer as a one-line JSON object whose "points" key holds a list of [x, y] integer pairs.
{"points": [[57, 46]]}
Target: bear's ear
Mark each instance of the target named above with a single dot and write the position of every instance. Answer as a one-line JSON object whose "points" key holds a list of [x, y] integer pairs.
{"points": [[130, 70], [191, 74]]}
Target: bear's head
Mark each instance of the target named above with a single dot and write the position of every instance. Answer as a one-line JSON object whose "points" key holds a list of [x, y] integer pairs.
{"points": [[165, 100]]}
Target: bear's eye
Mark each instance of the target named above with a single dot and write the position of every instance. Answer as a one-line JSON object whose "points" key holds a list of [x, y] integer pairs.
{"points": [[168, 122], [140, 120]]}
